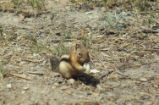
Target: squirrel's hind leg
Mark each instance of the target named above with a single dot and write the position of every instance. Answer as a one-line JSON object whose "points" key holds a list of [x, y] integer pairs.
{"points": [[66, 69]]}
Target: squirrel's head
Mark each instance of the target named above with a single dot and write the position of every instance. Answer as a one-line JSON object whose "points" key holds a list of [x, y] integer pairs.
{"points": [[82, 53]]}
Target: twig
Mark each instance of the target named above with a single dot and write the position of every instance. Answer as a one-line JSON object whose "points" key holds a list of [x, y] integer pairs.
{"points": [[106, 49], [25, 13], [146, 31], [18, 76], [152, 50], [149, 31], [36, 73], [65, 40], [105, 75], [34, 61]]}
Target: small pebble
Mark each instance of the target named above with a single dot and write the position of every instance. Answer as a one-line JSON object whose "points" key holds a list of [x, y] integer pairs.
{"points": [[143, 79], [56, 84], [23, 92], [71, 81], [99, 87], [25, 88], [156, 86], [9, 86]]}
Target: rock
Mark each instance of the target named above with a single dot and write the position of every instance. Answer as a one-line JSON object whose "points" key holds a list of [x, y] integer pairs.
{"points": [[23, 92], [56, 84], [143, 79], [99, 87], [156, 86], [9, 86], [71, 81], [26, 88]]}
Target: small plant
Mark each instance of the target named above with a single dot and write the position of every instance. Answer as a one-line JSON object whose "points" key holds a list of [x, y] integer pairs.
{"points": [[67, 35], [17, 3], [148, 22], [2, 71], [35, 46], [109, 3], [86, 40], [31, 39], [141, 5], [61, 49], [112, 21], [37, 4], [105, 1]]}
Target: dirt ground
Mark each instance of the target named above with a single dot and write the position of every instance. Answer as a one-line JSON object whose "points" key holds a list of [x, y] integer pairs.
{"points": [[123, 45]]}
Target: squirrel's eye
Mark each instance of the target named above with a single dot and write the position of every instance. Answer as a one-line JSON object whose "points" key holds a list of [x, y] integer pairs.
{"points": [[79, 54]]}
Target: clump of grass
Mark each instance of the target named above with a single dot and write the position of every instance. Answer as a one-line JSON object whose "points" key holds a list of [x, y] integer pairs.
{"points": [[24, 4], [67, 35], [112, 21], [1, 33], [86, 40], [32, 39], [148, 22], [37, 4], [6, 36], [17, 3], [109, 3], [2, 72], [6, 5], [61, 49], [35, 46], [141, 5]]}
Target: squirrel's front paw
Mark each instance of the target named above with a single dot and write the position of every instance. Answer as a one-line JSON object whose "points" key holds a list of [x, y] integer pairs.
{"points": [[86, 66]]}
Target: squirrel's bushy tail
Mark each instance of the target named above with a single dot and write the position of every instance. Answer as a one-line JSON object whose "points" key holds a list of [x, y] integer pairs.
{"points": [[54, 62]]}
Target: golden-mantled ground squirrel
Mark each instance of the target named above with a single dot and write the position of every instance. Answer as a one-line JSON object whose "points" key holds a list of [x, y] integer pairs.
{"points": [[71, 65]]}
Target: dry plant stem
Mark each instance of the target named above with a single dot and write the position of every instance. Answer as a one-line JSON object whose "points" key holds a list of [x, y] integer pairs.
{"points": [[152, 50], [36, 73], [105, 75], [18, 76], [65, 40], [149, 31], [67, 93], [25, 13], [34, 61], [102, 63]]}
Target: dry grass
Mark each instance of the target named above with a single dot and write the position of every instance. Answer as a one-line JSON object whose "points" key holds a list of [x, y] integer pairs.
{"points": [[140, 5], [26, 7], [129, 47], [35, 4], [123, 42], [61, 49]]}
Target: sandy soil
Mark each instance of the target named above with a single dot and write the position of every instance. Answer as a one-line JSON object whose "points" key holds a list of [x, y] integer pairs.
{"points": [[124, 52]]}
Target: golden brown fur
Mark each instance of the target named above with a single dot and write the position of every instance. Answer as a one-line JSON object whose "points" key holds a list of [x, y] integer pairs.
{"points": [[72, 64]]}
